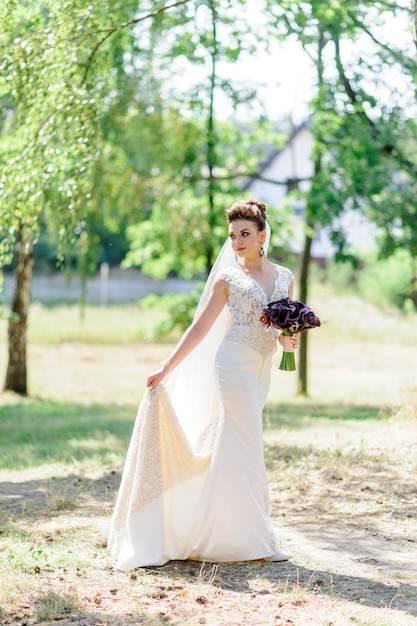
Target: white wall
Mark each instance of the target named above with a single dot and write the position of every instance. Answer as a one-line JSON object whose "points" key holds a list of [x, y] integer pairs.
{"points": [[295, 162], [121, 286]]}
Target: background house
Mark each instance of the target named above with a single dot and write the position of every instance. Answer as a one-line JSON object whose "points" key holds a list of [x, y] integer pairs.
{"points": [[276, 179]]}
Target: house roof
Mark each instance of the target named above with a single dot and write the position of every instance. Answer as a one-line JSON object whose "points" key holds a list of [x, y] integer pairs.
{"points": [[273, 153]]}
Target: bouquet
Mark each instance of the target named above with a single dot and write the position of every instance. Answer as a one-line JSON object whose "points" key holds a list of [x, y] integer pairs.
{"points": [[290, 316]]}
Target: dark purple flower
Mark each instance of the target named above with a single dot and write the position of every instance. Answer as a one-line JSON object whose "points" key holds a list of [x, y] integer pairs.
{"points": [[289, 315]]}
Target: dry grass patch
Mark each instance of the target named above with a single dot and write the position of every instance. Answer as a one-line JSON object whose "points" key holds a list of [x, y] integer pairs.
{"points": [[66, 496], [53, 605]]}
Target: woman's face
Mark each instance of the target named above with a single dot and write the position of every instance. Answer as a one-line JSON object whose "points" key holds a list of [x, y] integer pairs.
{"points": [[246, 238]]}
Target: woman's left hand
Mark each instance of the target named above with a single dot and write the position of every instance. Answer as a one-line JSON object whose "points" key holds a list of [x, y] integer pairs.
{"points": [[295, 340]]}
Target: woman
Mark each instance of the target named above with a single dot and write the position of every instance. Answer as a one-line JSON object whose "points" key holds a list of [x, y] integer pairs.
{"points": [[194, 484]]}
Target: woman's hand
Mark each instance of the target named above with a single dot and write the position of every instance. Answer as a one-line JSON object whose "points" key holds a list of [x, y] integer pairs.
{"points": [[156, 377], [295, 338]]}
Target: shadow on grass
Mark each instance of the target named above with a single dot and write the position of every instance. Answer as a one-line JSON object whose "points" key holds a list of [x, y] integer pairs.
{"points": [[56, 497], [294, 583], [299, 415], [291, 585], [51, 607], [38, 432]]}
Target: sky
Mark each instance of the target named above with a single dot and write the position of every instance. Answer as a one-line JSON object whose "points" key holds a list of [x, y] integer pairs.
{"points": [[285, 80], [286, 76]]}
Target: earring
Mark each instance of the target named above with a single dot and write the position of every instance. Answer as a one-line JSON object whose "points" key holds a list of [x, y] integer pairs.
{"points": [[261, 250]]}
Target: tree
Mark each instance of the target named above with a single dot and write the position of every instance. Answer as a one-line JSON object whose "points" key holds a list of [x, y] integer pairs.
{"points": [[47, 144], [355, 131], [52, 87], [209, 36]]}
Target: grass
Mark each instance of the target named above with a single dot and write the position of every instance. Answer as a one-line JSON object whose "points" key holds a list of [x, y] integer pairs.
{"points": [[341, 465], [37, 432], [92, 324]]}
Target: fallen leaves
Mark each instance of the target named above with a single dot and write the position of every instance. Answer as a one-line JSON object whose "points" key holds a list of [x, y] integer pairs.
{"points": [[201, 600]]}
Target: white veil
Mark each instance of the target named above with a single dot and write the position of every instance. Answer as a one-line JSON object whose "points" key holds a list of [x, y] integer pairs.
{"points": [[191, 386]]}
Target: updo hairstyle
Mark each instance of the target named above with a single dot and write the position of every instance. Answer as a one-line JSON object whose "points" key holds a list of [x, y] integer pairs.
{"points": [[251, 210]]}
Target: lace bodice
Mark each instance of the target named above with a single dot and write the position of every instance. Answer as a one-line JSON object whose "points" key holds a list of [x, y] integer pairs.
{"points": [[246, 300]]}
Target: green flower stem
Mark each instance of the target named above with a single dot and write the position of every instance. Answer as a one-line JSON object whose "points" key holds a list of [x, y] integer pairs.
{"points": [[288, 360]]}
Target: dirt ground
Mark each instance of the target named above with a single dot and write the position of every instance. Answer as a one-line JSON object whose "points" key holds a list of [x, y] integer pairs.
{"points": [[344, 506]]}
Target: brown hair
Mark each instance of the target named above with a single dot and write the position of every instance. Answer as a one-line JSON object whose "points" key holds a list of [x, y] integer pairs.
{"points": [[251, 210]]}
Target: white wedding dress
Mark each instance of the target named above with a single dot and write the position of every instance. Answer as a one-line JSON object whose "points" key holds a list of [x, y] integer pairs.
{"points": [[203, 494]]}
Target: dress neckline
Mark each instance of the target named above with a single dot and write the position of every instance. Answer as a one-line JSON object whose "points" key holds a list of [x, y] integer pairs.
{"points": [[259, 284]]}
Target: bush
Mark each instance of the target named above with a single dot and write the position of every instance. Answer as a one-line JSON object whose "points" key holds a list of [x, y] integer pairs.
{"points": [[384, 282], [175, 312]]}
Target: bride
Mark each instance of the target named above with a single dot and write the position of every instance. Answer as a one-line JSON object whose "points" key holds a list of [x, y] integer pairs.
{"points": [[194, 485]]}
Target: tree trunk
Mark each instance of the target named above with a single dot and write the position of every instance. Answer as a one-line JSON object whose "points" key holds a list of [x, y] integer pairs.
{"points": [[311, 214], [414, 283], [302, 361], [16, 375], [211, 139]]}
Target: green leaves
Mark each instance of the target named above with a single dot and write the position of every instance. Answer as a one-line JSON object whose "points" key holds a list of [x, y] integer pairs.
{"points": [[359, 121], [175, 237], [49, 134]]}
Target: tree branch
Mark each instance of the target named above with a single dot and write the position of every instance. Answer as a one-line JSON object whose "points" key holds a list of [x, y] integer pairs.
{"points": [[253, 175], [395, 53], [345, 81], [110, 31], [386, 148], [389, 5], [414, 10]]}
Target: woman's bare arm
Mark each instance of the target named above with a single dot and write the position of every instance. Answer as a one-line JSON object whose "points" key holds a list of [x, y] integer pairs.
{"points": [[195, 333]]}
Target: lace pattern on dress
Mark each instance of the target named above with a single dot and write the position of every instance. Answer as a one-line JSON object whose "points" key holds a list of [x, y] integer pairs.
{"points": [[246, 300], [159, 457]]}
